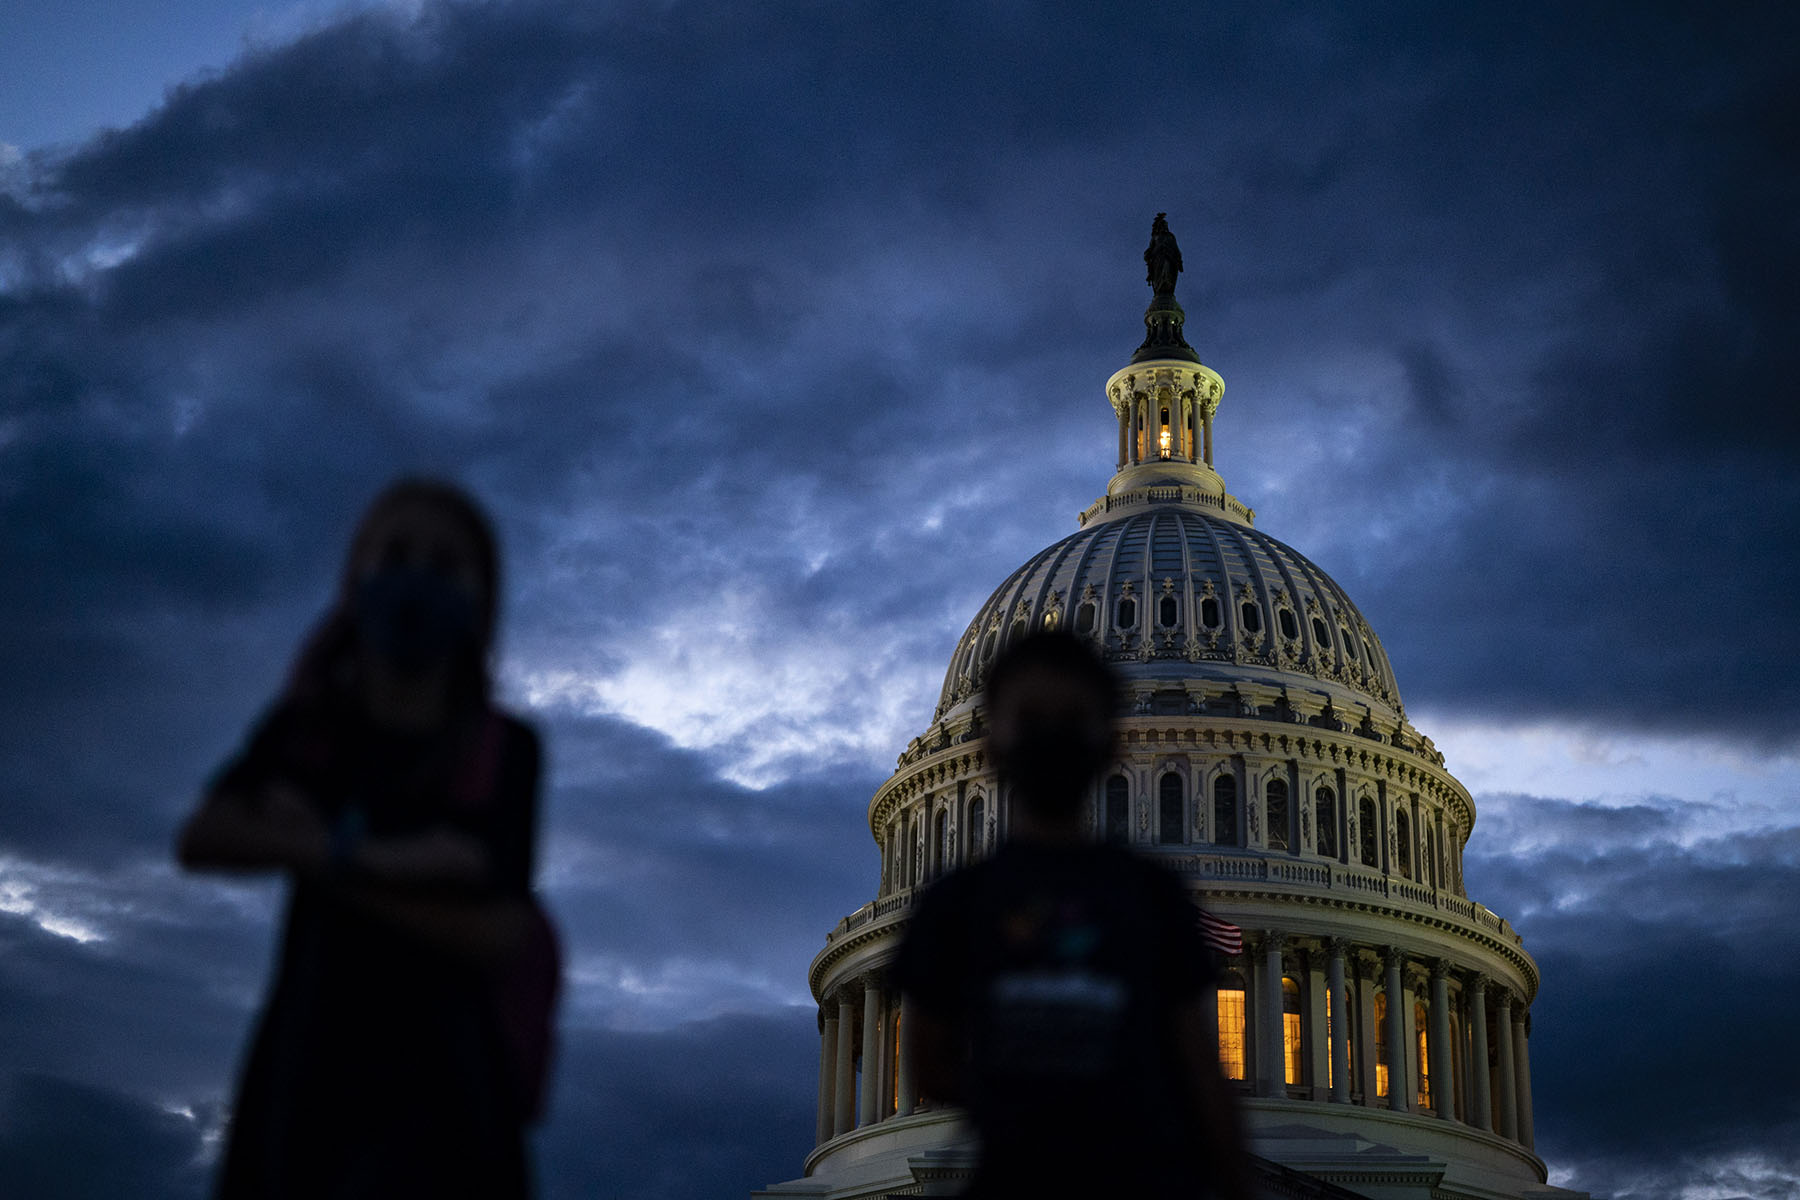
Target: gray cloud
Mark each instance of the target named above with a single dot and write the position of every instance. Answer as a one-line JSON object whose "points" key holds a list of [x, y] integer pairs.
{"points": [[793, 359]]}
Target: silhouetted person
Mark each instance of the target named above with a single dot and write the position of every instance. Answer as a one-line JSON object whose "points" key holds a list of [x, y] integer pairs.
{"points": [[1056, 989], [404, 809]]}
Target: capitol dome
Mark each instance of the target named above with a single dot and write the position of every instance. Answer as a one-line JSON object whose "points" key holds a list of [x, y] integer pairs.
{"points": [[1373, 1018], [1172, 592]]}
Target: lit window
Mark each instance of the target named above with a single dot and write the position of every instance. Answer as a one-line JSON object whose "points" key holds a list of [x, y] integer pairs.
{"points": [[1381, 1044], [1424, 1057], [1231, 1027], [1163, 440], [1290, 1030], [1278, 815], [1169, 823], [1330, 1059]]}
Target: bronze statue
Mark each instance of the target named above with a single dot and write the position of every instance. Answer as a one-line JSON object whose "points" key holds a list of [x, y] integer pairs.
{"points": [[1163, 257]]}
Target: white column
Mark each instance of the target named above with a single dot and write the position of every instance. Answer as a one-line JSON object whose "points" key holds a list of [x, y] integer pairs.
{"points": [[828, 1080], [1442, 1084], [1504, 1073], [871, 1052], [844, 1089], [1480, 1084], [1318, 1047], [1136, 410], [1365, 1032], [1522, 1058], [908, 1098], [1340, 1025], [1399, 1090], [1271, 1065], [827, 1072]]}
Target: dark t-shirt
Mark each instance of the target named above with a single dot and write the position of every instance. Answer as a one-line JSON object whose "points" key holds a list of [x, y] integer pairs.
{"points": [[1061, 968], [377, 1067]]}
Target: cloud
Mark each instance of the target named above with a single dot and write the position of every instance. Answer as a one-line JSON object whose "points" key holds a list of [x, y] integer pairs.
{"points": [[62, 1139]]}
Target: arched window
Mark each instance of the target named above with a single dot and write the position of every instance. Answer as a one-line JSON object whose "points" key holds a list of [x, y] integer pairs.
{"points": [[915, 859], [1225, 823], [1231, 1025], [1403, 842], [1163, 447], [1168, 612], [1051, 618], [1084, 618], [1209, 612], [1325, 818], [1368, 833], [1381, 1043], [946, 835], [1278, 814], [1290, 1030], [1118, 809], [1169, 824], [1424, 1057], [1252, 617], [977, 839], [1127, 612]]}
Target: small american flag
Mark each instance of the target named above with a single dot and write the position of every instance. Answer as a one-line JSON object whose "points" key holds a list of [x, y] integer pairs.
{"points": [[1222, 936]]}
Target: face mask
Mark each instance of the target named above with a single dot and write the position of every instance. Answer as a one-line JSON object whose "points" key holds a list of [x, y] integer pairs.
{"points": [[414, 619], [1051, 765]]}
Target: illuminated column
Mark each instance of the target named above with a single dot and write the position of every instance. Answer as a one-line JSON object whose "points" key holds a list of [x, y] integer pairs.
{"points": [[1271, 1058], [1318, 1046], [1340, 1025], [908, 1098], [1480, 1087], [844, 1089], [1443, 1085], [1522, 1058], [1399, 1093], [827, 1069], [828, 1080], [1208, 434], [1504, 1077], [1137, 441], [871, 1051], [1365, 1030]]}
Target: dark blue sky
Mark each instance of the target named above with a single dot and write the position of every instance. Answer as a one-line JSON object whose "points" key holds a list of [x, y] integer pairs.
{"points": [[775, 336]]}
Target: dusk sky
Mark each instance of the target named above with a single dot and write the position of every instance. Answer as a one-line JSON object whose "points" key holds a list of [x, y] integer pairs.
{"points": [[774, 337]]}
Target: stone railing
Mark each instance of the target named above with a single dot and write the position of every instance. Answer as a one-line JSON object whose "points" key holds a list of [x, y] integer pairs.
{"points": [[1299, 874]]}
